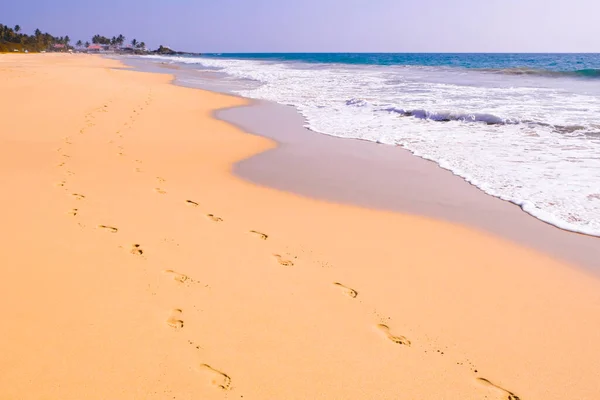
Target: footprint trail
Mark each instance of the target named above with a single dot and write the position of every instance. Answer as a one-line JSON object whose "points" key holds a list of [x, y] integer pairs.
{"points": [[282, 261], [175, 320], [111, 229], [396, 339], [349, 291], [260, 235], [220, 379], [509, 395]]}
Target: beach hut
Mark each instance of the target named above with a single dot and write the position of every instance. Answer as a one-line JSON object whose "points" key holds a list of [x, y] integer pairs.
{"points": [[94, 48]]}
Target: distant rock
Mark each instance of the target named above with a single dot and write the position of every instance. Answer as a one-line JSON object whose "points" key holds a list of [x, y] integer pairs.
{"points": [[166, 51]]}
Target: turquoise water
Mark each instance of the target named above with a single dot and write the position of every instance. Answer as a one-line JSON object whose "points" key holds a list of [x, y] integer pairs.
{"points": [[522, 127], [582, 64]]}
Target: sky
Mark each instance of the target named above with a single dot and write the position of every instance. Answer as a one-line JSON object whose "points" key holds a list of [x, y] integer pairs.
{"points": [[226, 26]]}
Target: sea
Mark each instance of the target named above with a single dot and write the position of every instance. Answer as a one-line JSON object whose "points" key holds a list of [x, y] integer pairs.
{"points": [[522, 127]]}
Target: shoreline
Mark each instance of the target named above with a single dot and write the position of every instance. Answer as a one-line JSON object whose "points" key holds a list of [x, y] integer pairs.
{"points": [[562, 195], [138, 239], [441, 194], [334, 184], [377, 176]]}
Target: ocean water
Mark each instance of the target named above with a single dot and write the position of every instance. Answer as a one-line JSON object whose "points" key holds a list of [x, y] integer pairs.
{"points": [[522, 127]]}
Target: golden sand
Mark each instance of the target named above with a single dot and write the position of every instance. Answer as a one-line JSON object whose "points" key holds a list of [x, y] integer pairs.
{"points": [[136, 266]]}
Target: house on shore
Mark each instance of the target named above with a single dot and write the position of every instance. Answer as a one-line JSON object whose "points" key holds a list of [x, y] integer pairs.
{"points": [[58, 47], [94, 48]]}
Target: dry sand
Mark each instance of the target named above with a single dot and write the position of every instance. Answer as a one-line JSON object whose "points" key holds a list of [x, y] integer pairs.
{"points": [[130, 269]]}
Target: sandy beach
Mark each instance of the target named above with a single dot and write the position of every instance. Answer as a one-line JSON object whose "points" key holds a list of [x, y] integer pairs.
{"points": [[137, 265]]}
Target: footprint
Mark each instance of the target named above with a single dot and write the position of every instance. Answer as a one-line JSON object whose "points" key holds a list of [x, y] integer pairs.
{"points": [[220, 379], [160, 191], [282, 261], [138, 170], [214, 217], [177, 276], [61, 164], [509, 395], [191, 203], [260, 235], [349, 291], [161, 180], [70, 173], [111, 229], [174, 321], [78, 196], [61, 183], [396, 339], [136, 250], [73, 212]]}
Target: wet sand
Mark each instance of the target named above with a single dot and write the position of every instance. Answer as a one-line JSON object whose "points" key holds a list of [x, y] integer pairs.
{"points": [[384, 177], [135, 264]]}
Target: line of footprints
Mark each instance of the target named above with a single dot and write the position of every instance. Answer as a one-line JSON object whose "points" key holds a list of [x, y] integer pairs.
{"points": [[175, 319], [221, 379]]}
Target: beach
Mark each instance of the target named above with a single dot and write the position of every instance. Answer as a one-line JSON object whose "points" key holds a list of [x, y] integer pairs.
{"points": [[141, 261]]}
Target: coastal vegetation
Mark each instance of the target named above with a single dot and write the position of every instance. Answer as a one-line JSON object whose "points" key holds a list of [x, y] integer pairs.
{"points": [[12, 39]]}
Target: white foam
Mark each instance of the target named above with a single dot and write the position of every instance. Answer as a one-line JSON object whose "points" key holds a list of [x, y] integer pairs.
{"points": [[500, 133]]}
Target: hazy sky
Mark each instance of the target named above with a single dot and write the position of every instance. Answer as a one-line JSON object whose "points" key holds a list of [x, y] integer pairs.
{"points": [[323, 25]]}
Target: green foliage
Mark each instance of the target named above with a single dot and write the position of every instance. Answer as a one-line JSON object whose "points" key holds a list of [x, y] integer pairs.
{"points": [[98, 39], [12, 39]]}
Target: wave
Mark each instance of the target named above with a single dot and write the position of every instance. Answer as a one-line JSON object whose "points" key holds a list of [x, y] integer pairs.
{"points": [[487, 119], [356, 103], [440, 116], [447, 116], [590, 73], [534, 143]]}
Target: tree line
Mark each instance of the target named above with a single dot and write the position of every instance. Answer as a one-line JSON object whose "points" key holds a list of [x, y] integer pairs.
{"points": [[12, 39], [116, 41]]}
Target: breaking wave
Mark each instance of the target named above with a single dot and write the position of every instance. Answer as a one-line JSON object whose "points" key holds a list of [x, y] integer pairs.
{"points": [[589, 73]]}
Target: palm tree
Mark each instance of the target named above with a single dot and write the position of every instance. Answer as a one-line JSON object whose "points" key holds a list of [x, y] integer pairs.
{"points": [[67, 39], [79, 43], [87, 44], [120, 40], [38, 32], [142, 45], [17, 28], [134, 43]]}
